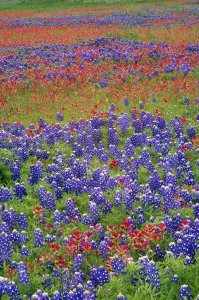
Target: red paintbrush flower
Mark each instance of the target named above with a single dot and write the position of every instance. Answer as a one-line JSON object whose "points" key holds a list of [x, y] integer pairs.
{"points": [[125, 225], [185, 148], [123, 250], [88, 234], [10, 272], [108, 264], [111, 245], [72, 248], [60, 263], [115, 236], [157, 112], [97, 252], [86, 247], [46, 256], [31, 266], [38, 210], [184, 223], [30, 133], [40, 130], [114, 164], [183, 120], [121, 181], [55, 247], [97, 227], [135, 233], [111, 227], [165, 100], [49, 226], [77, 235], [162, 227]]}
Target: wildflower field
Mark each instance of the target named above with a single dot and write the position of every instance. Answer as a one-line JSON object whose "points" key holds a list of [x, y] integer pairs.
{"points": [[99, 164]]}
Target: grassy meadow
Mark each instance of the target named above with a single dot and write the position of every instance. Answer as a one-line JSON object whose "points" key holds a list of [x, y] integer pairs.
{"points": [[99, 169]]}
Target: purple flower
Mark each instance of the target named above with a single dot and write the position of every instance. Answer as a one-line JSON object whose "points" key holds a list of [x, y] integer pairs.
{"points": [[185, 292], [126, 101], [59, 116], [99, 276], [150, 271], [38, 237], [22, 273]]}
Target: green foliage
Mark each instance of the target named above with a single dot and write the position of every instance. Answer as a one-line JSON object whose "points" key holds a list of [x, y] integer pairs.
{"points": [[5, 175], [187, 275], [123, 284], [13, 5], [142, 290]]}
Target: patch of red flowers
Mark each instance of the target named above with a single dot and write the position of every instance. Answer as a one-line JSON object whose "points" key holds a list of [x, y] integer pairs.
{"points": [[10, 272], [183, 120], [121, 181], [60, 263], [136, 239], [38, 210], [114, 164], [55, 247], [185, 148], [30, 133]]}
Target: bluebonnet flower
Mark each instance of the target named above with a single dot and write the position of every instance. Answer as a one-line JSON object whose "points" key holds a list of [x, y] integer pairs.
{"points": [[118, 199], [6, 247], [151, 271], [59, 116], [78, 262], [126, 101], [15, 168], [137, 124], [22, 221], [175, 278], [196, 210], [154, 181], [121, 297], [185, 292], [9, 217], [99, 276], [38, 238], [24, 237], [168, 197], [15, 237], [46, 199], [159, 252], [36, 172], [57, 296], [117, 265], [57, 216], [85, 219], [191, 131], [24, 251], [94, 211], [124, 122], [9, 288], [5, 194], [20, 190], [22, 272]]}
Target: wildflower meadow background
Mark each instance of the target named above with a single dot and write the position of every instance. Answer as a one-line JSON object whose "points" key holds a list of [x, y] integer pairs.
{"points": [[99, 165]]}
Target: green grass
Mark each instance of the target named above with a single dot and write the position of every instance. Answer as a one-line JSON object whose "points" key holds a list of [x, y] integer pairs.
{"points": [[142, 291], [23, 5]]}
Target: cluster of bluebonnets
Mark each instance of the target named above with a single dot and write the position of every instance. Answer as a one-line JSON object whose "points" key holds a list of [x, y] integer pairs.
{"points": [[98, 61], [146, 18], [83, 172]]}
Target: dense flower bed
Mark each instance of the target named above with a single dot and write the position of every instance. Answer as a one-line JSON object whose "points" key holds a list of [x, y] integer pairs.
{"points": [[110, 59], [186, 16], [99, 201], [66, 183], [120, 67]]}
